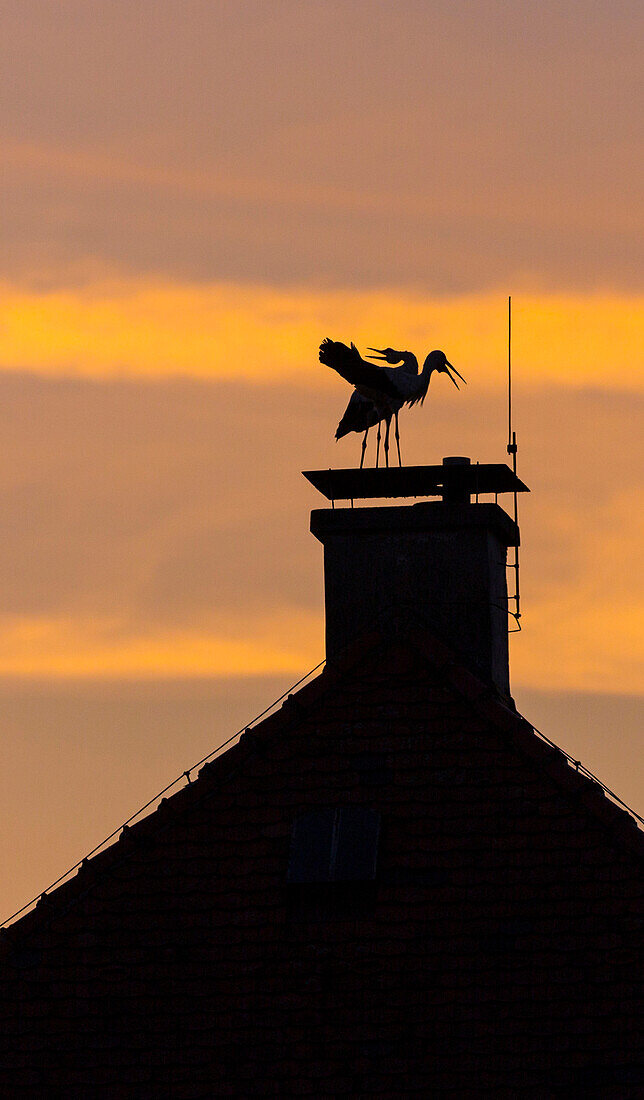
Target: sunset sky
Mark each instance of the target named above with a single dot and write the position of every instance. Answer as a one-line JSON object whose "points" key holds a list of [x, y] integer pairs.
{"points": [[194, 195]]}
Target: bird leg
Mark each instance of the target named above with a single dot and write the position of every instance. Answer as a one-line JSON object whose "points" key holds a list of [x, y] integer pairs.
{"points": [[378, 445], [387, 443], [364, 447], [398, 440]]}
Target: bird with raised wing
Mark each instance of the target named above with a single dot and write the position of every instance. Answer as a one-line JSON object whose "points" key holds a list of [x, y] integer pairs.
{"points": [[385, 389]]}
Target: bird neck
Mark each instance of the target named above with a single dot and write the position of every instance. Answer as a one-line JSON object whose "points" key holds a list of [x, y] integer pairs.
{"points": [[428, 366], [409, 361]]}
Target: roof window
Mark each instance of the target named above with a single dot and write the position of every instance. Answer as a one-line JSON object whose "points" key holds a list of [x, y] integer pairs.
{"points": [[337, 844]]}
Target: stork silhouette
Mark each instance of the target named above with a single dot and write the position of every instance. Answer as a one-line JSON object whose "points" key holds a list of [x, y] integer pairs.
{"points": [[380, 392]]}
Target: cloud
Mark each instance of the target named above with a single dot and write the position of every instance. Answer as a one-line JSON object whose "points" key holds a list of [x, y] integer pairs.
{"points": [[322, 189], [247, 224], [152, 330], [39, 648]]}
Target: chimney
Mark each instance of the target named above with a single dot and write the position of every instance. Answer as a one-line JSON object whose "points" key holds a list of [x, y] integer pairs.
{"points": [[438, 565]]}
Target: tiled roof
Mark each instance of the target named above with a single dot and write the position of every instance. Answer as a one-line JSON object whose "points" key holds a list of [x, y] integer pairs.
{"points": [[497, 953]]}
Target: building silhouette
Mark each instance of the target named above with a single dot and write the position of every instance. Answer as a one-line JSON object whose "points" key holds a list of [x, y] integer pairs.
{"points": [[389, 887]]}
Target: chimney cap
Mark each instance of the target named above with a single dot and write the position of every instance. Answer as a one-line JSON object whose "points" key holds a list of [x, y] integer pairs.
{"points": [[455, 477]]}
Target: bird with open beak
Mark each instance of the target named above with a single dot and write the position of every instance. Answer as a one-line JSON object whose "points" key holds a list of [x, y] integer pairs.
{"points": [[380, 392]]}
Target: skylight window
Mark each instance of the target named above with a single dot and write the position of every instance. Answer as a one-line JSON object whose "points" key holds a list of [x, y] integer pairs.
{"points": [[338, 844]]}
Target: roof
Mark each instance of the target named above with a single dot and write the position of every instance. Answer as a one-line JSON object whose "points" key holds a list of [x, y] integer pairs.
{"points": [[507, 898]]}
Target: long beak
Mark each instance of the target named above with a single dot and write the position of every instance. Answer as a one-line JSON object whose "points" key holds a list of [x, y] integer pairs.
{"points": [[457, 375], [379, 356]]}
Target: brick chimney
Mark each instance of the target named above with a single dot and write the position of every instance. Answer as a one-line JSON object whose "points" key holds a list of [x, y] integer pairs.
{"points": [[438, 565]]}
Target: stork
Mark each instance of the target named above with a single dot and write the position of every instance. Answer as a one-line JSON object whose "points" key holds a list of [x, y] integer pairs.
{"points": [[361, 414], [384, 389]]}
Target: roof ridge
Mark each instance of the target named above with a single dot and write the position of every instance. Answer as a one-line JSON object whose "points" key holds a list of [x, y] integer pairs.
{"points": [[160, 798], [535, 744]]}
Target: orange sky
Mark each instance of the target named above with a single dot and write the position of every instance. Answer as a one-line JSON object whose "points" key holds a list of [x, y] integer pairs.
{"points": [[194, 196], [260, 334]]}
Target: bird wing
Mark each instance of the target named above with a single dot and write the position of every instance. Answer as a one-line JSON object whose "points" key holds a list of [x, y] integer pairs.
{"points": [[408, 386], [354, 369], [359, 415]]}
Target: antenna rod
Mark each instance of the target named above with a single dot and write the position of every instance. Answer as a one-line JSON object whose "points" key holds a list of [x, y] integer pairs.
{"points": [[512, 442], [509, 372], [512, 450]]}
